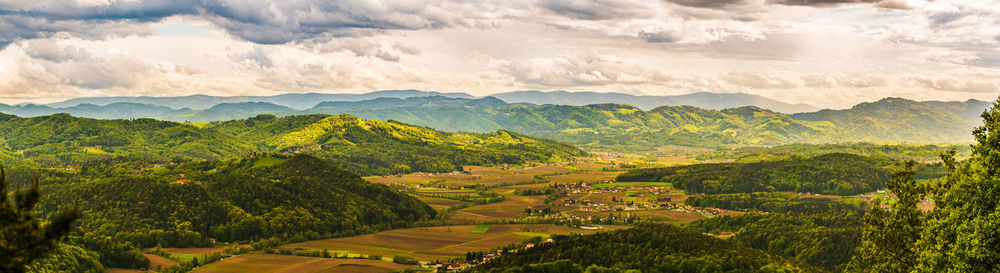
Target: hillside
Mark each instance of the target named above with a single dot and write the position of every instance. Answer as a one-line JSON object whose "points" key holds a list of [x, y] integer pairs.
{"points": [[646, 247], [361, 146], [617, 126], [61, 140], [897, 120], [254, 198], [837, 174], [612, 126], [382, 147]]}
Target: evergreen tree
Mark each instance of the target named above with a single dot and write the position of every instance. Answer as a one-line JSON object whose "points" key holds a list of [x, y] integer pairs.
{"points": [[23, 238]]}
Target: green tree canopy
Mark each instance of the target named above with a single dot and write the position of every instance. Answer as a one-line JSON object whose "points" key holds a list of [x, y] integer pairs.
{"points": [[23, 238]]}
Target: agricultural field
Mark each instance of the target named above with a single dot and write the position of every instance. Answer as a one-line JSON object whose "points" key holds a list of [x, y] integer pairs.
{"points": [[295, 264], [437, 243]]}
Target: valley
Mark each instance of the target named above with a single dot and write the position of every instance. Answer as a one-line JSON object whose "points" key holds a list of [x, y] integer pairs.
{"points": [[340, 193]]}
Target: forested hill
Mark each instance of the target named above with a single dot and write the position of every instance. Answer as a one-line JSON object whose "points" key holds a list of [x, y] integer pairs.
{"points": [[378, 147], [360, 146], [646, 247], [250, 199], [836, 174], [61, 140], [899, 120], [621, 126]]}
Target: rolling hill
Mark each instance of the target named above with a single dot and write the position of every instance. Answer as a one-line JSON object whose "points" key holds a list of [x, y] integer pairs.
{"points": [[611, 126], [380, 147], [250, 199], [361, 146]]}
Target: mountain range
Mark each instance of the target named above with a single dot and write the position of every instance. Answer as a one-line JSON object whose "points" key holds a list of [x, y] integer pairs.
{"points": [[302, 101], [601, 126], [706, 100]]}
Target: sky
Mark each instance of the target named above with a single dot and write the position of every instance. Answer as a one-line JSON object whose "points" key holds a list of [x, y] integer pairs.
{"points": [[827, 53]]}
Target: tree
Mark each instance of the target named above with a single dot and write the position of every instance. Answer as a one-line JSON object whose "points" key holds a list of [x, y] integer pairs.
{"points": [[23, 238], [962, 233], [890, 236]]}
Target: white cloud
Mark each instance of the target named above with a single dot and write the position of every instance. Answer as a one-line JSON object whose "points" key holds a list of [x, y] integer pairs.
{"points": [[834, 53]]}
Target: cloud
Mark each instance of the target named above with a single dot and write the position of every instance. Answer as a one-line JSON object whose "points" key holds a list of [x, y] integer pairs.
{"points": [[758, 80], [956, 85], [714, 4], [264, 22], [579, 69], [601, 9]]}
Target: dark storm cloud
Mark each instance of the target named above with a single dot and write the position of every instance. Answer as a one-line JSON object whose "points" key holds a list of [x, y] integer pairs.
{"points": [[265, 22], [738, 4], [598, 10], [715, 4]]}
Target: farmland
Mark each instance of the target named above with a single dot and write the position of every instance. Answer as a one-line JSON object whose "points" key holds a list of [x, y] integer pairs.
{"points": [[289, 264], [437, 243]]}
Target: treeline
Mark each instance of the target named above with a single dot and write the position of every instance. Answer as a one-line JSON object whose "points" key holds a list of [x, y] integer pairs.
{"points": [[916, 152], [646, 247], [260, 198], [770, 202], [836, 174]]}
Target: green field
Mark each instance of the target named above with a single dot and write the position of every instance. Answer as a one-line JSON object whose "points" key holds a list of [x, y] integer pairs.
{"points": [[480, 229]]}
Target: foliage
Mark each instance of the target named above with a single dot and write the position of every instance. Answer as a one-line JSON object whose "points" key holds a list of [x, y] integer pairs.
{"points": [[823, 234], [68, 258], [779, 202], [297, 199], [23, 238], [961, 233], [890, 236], [400, 259]]}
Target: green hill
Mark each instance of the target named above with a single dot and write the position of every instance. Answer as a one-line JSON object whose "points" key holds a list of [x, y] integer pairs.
{"points": [[902, 120], [606, 126], [380, 147], [646, 247], [288, 198], [362, 146], [839, 174], [61, 140]]}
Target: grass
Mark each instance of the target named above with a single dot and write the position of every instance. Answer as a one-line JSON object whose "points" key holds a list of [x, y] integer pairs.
{"points": [[92, 150], [268, 161], [185, 257], [480, 229], [533, 234]]}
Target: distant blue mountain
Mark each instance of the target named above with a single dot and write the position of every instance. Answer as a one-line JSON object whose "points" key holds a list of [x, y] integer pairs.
{"points": [[291, 100], [712, 101]]}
